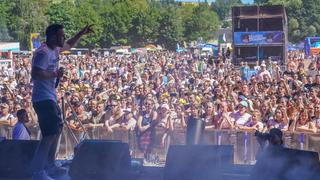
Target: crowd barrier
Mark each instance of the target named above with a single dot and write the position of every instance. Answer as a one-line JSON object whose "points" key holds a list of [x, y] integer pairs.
{"points": [[245, 143]]}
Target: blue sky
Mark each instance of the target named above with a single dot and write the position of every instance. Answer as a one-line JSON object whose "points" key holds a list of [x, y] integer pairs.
{"points": [[244, 1], [247, 1]]}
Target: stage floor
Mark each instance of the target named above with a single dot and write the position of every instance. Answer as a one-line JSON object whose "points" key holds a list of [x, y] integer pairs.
{"points": [[156, 173], [146, 173]]}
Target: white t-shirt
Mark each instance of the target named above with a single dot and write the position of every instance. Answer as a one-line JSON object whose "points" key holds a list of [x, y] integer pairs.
{"points": [[24, 73], [131, 122], [241, 119], [6, 118], [259, 125], [257, 68], [10, 72], [316, 121], [48, 60], [262, 74]]}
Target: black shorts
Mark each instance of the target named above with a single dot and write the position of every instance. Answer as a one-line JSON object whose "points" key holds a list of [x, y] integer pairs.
{"points": [[49, 117]]}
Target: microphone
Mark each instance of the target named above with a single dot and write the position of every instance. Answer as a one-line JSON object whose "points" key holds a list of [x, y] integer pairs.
{"points": [[61, 69]]}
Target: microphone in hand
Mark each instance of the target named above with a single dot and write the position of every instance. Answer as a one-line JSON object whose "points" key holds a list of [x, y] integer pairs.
{"points": [[60, 72]]}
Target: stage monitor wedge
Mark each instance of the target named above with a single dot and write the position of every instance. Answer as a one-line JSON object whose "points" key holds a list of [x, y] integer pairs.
{"points": [[16, 157], [197, 162], [101, 159]]}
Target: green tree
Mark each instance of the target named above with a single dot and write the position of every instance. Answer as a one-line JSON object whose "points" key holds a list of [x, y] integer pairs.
{"points": [[286, 3], [204, 23], [317, 26], [293, 24], [303, 17], [4, 8], [63, 13], [116, 24], [145, 26], [4, 35], [185, 12], [223, 8], [312, 30], [260, 1], [85, 14], [26, 17], [170, 29]]}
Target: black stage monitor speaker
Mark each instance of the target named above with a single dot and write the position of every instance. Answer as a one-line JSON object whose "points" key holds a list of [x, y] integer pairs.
{"points": [[301, 163], [286, 164], [101, 159], [197, 162], [302, 157], [15, 158]]}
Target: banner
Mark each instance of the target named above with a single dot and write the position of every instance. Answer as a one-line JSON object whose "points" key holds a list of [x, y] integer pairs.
{"points": [[9, 46], [34, 41], [257, 38]]}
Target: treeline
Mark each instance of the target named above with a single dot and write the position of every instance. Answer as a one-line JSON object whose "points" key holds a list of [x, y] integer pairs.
{"points": [[303, 17], [116, 22], [140, 22]]}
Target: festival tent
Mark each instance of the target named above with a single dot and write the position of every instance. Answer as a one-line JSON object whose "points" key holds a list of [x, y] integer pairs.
{"points": [[180, 49], [66, 52], [151, 47], [214, 47], [295, 47], [139, 50]]}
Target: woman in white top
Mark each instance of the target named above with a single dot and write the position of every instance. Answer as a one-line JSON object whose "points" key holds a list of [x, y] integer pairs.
{"points": [[254, 124], [316, 117], [304, 123], [179, 121], [165, 123], [279, 120], [209, 115]]}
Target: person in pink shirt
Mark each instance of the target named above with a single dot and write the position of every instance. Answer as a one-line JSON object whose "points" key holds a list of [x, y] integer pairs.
{"points": [[223, 120]]}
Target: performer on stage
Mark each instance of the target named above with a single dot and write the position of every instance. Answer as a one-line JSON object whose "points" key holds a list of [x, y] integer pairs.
{"points": [[44, 75]]}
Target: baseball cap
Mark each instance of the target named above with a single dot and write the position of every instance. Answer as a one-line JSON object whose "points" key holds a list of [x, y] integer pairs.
{"points": [[244, 103], [128, 110], [166, 106], [242, 97]]}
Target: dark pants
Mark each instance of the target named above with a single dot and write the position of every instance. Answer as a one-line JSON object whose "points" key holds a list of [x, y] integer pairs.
{"points": [[50, 122]]}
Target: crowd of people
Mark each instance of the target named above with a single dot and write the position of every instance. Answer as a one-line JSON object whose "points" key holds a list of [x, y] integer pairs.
{"points": [[161, 91]]}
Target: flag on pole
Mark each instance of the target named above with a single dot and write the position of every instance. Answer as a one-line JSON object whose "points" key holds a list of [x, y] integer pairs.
{"points": [[224, 39], [34, 41], [178, 46]]}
